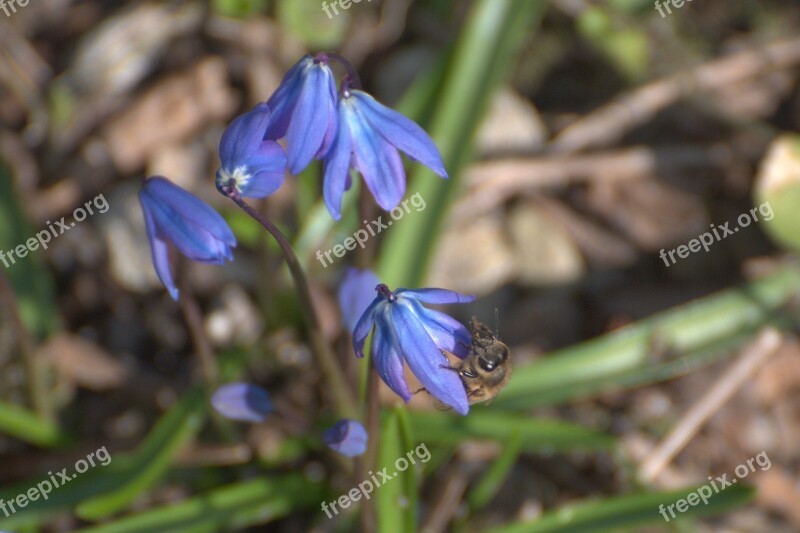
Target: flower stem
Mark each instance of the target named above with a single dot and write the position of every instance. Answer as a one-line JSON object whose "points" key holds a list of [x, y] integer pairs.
{"points": [[352, 80], [194, 320], [342, 395]]}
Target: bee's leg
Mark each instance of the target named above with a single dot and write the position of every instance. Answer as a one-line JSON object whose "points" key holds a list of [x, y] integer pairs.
{"points": [[419, 390], [448, 367]]}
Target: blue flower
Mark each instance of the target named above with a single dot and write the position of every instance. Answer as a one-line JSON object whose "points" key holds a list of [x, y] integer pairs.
{"points": [[348, 437], [256, 166], [368, 139], [356, 292], [304, 111], [407, 331], [242, 401], [173, 214]]}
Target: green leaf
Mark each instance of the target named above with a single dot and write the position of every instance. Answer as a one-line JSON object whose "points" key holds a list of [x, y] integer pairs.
{"points": [[396, 499], [230, 508], [482, 56], [33, 286], [657, 348], [493, 479], [153, 458], [627, 512], [28, 427], [308, 20], [488, 423]]}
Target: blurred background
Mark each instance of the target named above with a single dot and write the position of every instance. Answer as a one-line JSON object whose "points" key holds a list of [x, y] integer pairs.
{"points": [[582, 138]]}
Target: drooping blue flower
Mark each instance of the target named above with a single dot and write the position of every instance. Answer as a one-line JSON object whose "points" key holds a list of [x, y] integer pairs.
{"points": [[172, 214], [407, 331], [257, 167], [304, 111], [242, 401], [348, 437], [356, 292], [368, 138]]}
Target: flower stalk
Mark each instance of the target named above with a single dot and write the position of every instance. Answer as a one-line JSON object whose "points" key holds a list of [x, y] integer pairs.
{"points": [[342, 395]]}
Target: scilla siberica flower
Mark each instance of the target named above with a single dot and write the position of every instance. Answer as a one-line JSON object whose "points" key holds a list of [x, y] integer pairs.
{"points": [[256, 166], [368, 139], [304, 111], [242, 401], [348, 437], [407, 331], [173, 214], [356, 292]]}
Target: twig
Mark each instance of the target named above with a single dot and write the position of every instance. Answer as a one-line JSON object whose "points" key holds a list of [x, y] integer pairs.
{"points": [[754, 355], [607, 125]]}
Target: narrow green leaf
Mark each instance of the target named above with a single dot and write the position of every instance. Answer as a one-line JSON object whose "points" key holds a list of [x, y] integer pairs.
{"points": [[230, 508], [26, 426], [394, 497], [491, 424], [153, 458], [482, 56], [494, 478], [627, 512], [657, 348]]}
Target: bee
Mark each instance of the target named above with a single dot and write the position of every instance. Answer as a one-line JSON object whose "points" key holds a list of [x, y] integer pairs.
{"points": [[485, 370]]}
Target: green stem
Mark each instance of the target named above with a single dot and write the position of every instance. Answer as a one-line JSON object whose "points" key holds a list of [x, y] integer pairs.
{"points": [[342, 395]]}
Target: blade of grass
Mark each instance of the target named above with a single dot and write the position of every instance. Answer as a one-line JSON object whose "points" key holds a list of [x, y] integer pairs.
{"points": [[482, 56], [689, 336], [493, 479], [26, 426], [626, 512], [153, 458], [535, 434], [395, 501], [230, 508]]}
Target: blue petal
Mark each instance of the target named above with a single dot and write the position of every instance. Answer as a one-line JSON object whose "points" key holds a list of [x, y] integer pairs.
{"points": [[377, 160], [243, 136], [356, 292], [364, 324], [242, 401], [193, 226], [348, 437], [425, 360], [310, 118], [387, 356], [267, 169], [333, 121], [447, 333], [402, 132], [437, 296], [337, 170], [283, 100], [158, 248]]}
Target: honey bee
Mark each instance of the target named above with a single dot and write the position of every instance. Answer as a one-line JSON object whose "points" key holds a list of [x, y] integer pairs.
{"points": [[485, 370]]}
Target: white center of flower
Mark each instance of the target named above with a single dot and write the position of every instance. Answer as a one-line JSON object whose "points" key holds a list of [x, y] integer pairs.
{"points": [[239, 175]]}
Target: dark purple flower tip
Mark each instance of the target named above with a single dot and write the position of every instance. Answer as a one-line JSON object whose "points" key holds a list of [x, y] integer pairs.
{"points": [[304, 111], [256, 167], [242, 401], [172, 214], [407, 332], [348, 437], [356, 292], [369, 139]]}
